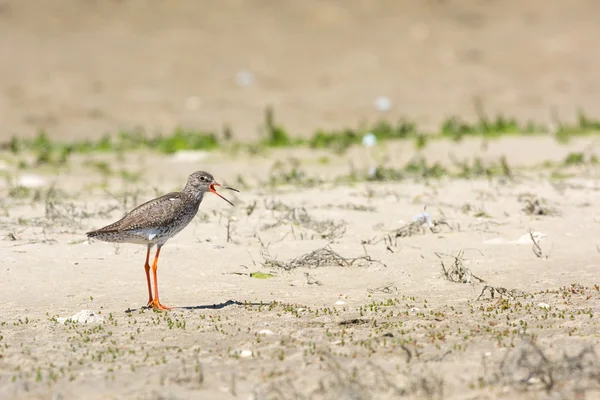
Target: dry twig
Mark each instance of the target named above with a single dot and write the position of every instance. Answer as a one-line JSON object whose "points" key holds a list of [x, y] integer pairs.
{"points": [[323, 257], [536, 205], [419, 226], [500, 291], [457, 272], [537, 249]]}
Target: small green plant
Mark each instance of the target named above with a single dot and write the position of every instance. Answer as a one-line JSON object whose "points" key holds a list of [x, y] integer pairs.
{"points": [[583, 126], [385, 174], [261, 275], [101, 167], [277, 136], [579, 158], [51, 152], [19, 192], [457, 129], [421, 168], [574, 159], [186, 140]]}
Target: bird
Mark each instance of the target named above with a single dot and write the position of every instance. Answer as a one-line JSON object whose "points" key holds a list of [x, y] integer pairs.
{"points": [[158, 220]]}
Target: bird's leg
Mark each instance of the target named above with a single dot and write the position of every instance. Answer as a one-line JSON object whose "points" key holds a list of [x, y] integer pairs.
{"points": [[156, 302], [147, 268]]}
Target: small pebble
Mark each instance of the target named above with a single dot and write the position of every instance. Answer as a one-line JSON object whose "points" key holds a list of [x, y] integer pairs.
{"points": [[383, 103], [265, 332], [340, 303], [369, 140], [31, 181], [244, 78], [246, 353]]}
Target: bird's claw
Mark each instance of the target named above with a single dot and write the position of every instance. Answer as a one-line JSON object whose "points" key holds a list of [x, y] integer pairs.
{"points": [[157, 305]]}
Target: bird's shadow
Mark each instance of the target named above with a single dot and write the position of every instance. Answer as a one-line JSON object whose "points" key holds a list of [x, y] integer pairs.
{"points": [[204, 307], [221, 305]]}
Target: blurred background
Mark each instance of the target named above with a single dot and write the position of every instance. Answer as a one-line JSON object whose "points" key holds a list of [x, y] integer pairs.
{"points": [[82, 68]]}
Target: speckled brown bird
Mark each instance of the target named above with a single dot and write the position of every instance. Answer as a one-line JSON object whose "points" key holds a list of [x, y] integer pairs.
{"points": [[158, 220]]}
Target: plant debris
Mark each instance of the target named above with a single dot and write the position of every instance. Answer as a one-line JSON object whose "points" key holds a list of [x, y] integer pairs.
{"points": [[311, 280], [528, 366], [353, 321], [457, 272], [390, 288], [352, 207], [419, 226], [537, 249], [323, 257], [537, 206], [299, 216], [500, 291]]}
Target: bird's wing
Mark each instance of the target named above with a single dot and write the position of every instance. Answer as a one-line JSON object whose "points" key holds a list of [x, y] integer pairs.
{"points": [[157, 212]]}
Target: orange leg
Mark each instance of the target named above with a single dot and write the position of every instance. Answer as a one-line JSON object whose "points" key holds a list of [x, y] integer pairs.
{"points": [[156, 302], [147, 268]]}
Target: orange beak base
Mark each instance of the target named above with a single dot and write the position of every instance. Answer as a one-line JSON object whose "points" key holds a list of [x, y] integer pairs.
{"points": [[213, 190]]}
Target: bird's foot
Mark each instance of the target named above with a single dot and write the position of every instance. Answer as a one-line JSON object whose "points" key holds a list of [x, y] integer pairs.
{"points": [[156, 304]]}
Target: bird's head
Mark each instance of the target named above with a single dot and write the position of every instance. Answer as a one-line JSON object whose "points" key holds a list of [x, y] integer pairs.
{"points": [[202, 182]]}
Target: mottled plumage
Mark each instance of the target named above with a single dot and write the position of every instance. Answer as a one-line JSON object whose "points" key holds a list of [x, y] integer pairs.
{"points": [[153, 222], [158, 220]]}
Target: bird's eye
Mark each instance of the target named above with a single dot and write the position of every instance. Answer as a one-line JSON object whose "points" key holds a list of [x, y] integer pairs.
{"points": [[202, 178]]}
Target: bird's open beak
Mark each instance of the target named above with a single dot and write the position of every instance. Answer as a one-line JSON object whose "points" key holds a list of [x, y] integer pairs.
{"points": [[213, 189]]}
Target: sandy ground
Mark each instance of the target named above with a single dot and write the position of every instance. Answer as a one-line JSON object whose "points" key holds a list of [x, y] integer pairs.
{"points": [[385, 327], [83, 68]]}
